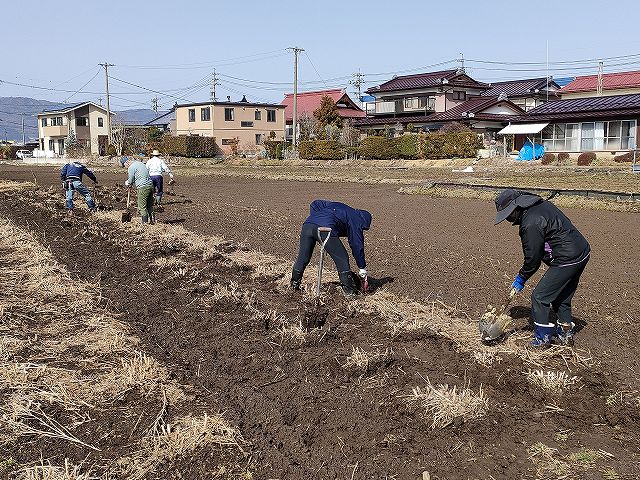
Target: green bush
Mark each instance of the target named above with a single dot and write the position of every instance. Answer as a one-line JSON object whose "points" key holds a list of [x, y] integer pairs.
{"points": [[274, 148], [407, 146], [451, 144], [111, 150], [382, 148], [586, 158], [548, 158], [321, 150], [189, 146]]}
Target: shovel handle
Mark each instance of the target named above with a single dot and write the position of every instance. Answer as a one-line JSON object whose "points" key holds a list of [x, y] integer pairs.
{"points": [[128, 197]]}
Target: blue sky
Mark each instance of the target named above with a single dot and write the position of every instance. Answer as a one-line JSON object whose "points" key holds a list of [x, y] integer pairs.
{"points": [[169, 46]]}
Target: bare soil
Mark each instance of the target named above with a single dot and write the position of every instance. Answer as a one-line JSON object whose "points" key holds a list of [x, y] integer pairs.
{"points": [[304, 415]]}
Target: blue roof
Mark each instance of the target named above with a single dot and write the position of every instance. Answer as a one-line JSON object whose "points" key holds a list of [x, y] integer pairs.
{"points": [[564, 80]]}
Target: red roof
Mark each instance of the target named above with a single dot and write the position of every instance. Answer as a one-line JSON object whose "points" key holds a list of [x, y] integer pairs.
{"points": [[308, 102], [610, 81]]}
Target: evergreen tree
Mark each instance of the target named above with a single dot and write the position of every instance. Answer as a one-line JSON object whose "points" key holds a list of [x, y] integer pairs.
{"points": [[327, 113]]}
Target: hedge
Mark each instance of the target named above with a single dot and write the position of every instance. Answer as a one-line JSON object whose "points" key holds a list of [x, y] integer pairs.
{"points": [[189, 146], [586, 158], [624, 158], [381, 148], [321, 150], [548, 158], [460, 144]]}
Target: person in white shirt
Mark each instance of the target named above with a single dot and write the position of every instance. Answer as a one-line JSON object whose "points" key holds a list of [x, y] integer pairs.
{"points": [[156, 166]]}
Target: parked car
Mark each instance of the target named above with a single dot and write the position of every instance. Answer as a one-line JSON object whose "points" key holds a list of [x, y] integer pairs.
{"points": [[22, 154]]}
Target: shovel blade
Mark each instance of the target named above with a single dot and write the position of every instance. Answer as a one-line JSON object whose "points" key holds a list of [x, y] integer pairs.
{"points": [[126, 217]]}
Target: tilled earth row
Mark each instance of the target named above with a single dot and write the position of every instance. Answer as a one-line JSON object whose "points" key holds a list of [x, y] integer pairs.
{"points": [[304, 414]]}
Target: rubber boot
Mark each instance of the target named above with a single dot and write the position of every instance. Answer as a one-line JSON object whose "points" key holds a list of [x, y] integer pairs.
{"points": [[565, 333], [348, 285], [542, 334], [296, 279], [158, 199]]}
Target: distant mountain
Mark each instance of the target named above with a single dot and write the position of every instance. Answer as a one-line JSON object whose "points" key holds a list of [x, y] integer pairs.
{"points": [[14, 109]]}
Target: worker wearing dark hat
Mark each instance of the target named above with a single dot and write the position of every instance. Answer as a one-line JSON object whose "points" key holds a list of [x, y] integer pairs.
{"points": [[547, 236]]}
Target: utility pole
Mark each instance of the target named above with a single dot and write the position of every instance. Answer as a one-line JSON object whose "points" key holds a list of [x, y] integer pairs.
{"points": [[106, 66], [23, 142], [214, 84], [154, 104], [357, 82], [296, 52], [100, 100], [600, 69]]}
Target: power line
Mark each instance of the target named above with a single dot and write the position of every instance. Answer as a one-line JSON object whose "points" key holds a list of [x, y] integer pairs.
{"points": [[314, 67], [148, 89], [91, 80], [231, 61], [563, 62]]}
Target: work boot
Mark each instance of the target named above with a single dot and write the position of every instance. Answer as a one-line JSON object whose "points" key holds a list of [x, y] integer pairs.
{"points": [[565, 333], [543, 334], [145, 218], [296, 279], [348, 285], [158, 199]]}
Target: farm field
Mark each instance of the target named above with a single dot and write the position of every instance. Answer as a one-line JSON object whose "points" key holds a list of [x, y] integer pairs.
{"points": [[192, 341]]}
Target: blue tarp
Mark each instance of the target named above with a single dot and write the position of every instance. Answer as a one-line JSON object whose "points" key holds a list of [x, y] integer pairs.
{"points": [[526, 152]]}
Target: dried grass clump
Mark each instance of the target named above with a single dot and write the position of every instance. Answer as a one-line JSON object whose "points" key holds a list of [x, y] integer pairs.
{"points": [[292, 333], [445, 404], [179, 439], [549, 380], [360, 359], [49, 472], [549, 462]]}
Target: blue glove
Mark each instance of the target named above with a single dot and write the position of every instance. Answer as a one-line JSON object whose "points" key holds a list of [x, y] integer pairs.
{"points": [[518, 284]]}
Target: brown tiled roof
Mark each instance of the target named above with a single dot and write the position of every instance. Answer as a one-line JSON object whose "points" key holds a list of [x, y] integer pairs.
{"points": [[592, 107], [424, 80], [518, 88], [475, 106]]}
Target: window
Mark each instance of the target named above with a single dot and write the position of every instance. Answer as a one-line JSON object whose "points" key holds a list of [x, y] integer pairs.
{"points": [[616, 135], [258, 138], [271, 115], [56, 121], [100, 122], [459, 95], [192, 114], [258, 115], [228, 114], [246, 124], [82, 122], [44, 122], [205, 114], [415, 103], [227, 141], [51, 144], [561, 137]]}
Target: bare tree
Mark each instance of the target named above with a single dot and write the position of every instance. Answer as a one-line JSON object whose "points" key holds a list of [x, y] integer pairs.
{"points": [[308, 126], [118, 134], [350, 135]]}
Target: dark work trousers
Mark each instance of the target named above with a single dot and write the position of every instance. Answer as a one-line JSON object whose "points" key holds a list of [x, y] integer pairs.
{"points": [[334, 247], [555, 290]]}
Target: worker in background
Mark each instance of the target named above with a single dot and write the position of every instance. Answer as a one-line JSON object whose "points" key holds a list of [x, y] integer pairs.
{"points": [[344, 221], [547, 236], [138, 176], [156, 166], [71, 176]]}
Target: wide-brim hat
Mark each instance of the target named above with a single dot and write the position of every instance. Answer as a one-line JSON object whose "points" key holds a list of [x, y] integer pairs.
{"points": [[155, 153], [510, 199]]}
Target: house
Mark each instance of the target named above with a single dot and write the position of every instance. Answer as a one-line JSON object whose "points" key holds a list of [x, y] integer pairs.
{"points": [[608, 123], [249, 123], [620, 83], [308, 102], [86, 121], [166, 122], [412, 99], [527, 93]]}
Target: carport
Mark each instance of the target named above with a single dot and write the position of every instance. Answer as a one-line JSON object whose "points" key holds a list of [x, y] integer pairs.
{"points": [[521, 129]]}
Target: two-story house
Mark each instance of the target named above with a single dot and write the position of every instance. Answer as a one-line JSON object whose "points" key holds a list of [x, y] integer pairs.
{"points": [[429, 100], [527, 93], [86, 121], [249, 123]]}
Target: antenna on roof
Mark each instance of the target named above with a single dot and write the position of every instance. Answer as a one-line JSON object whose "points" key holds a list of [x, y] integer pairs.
{"points": [[461, 67], [600, 68]]}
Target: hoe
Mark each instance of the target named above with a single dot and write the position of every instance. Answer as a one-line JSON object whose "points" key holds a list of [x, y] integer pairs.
{"points": [[126, 215], [323, 243]]}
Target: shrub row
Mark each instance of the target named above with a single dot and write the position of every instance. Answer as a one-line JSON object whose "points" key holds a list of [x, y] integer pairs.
{"points": [[548, 158], [189, 146], [586, 158], [461, 144], [624, 158]]}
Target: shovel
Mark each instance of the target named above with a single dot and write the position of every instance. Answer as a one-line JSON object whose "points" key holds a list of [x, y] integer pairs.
{"points": [[126, 215], [323, 243], [493, 328]]}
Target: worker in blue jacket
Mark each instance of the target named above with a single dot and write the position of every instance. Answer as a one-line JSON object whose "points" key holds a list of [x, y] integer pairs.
{"points": [[71, 176], [344, 221]]}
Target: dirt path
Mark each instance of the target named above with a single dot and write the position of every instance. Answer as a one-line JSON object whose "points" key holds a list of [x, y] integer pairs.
{"points": [[304, 415]]}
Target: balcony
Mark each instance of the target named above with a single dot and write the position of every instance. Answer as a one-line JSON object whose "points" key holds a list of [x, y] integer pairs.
{"points": [[406, 105], [55, 131]]}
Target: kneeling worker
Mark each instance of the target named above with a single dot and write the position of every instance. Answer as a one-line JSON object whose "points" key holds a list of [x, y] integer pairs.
{"points": [[344, 221], [547, 236]]}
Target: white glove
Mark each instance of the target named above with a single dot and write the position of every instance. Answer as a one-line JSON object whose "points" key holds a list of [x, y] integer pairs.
{"points": [[362, 273], [127, 183]]}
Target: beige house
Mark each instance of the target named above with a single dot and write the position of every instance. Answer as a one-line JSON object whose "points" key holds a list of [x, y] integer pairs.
{"points": [[87, 121], [250, 123]]}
